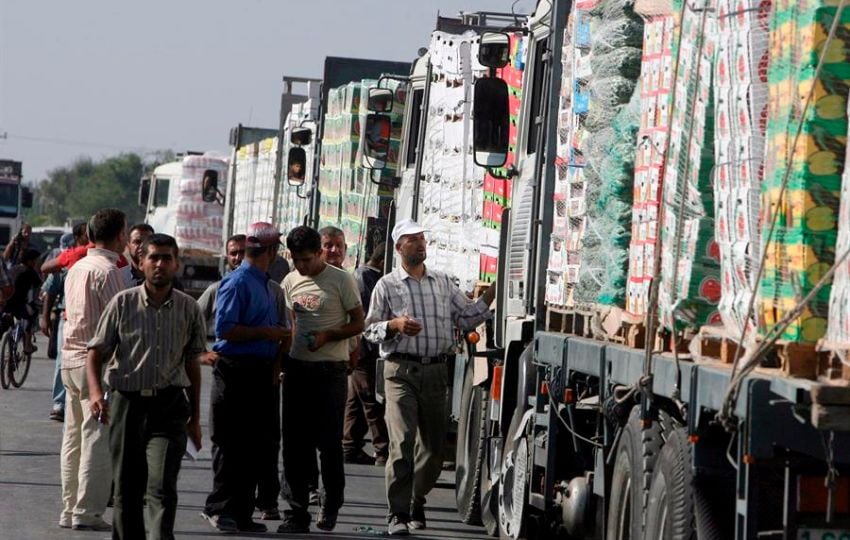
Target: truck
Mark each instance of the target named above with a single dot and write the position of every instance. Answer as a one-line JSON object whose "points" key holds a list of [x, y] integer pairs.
{"points": [[13, 199], [180, 200], [656, 367]]}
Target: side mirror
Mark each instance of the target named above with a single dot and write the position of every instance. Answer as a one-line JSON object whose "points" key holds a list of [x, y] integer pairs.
{"points": [[300, 136], [26, 197], [377, 141], [494, 49], [380, 100], [144, 191], [296, 165], [490, 122], [209, 186]]}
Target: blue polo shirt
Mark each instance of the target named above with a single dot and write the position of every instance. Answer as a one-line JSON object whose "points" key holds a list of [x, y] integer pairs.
{"points": [[244, 298]]}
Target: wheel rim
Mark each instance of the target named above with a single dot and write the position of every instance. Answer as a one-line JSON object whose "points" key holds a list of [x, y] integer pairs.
{"points": [[512, 493]]}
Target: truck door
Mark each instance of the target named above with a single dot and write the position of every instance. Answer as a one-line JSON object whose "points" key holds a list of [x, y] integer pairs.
{"points": [[160, 215]]}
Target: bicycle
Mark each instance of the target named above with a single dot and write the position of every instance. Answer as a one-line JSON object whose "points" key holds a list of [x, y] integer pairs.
{"points": [[14, 360]]}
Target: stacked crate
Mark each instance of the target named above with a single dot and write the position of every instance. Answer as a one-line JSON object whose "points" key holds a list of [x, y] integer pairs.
{"points": [[740, 120], [689, 289], [451, 195], [656, 84], [803, 245], [254, 184], [340, 143], [497, 183], [838, 331], [569, 197], [199, 223]]}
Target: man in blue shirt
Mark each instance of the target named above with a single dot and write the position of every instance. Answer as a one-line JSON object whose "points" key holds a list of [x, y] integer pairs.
{"points": [[248, 339]]}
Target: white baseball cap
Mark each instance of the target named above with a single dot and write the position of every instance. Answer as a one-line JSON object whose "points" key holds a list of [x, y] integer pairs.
{"points": [[405, 227]]}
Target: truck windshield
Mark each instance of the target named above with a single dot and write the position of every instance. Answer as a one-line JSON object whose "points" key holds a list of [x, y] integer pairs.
{"points": [[8, 200], [160, 194]]}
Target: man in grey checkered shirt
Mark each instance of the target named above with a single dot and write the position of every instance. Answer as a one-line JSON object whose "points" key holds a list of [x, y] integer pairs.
{"points": [[413, 315]]}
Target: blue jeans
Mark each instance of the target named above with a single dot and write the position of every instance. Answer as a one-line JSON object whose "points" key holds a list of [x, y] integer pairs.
{"points": [[58, 387]]}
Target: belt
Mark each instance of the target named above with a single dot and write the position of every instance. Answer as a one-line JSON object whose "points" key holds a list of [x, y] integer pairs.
{"points": [[439, 359], [151, 392]]}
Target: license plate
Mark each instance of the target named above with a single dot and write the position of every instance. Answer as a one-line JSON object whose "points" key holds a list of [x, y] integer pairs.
{"points": [[822, 534]]}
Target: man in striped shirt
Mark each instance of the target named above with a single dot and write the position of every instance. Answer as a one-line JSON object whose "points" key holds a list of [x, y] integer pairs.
{"points": [[413, 315], [89, 286], [153, 337]]}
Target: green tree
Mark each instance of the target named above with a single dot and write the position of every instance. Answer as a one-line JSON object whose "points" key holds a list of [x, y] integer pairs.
{"points": [[84, 187]]}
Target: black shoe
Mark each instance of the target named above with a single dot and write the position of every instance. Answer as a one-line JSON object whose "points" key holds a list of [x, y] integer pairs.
{"points": [[224, 524], [417, 518], [58, 415], [360, 458], [252, 526], [398, 526], [271, 514], [290, 526], [326, 520]]}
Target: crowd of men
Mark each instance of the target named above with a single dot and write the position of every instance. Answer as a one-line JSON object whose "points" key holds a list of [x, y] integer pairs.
{"points": [[293, 365]]}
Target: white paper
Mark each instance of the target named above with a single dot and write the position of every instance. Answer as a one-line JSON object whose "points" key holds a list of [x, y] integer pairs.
{"points": [[192, 451]]}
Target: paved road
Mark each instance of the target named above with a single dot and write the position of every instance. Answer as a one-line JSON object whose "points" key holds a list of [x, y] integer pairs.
{"points": [[30, 485]]}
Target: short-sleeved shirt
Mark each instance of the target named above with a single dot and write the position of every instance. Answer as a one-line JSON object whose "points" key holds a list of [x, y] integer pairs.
{"points": [[320, 302], [147, 346], [89, 286], [244, 298], [208, 298]]}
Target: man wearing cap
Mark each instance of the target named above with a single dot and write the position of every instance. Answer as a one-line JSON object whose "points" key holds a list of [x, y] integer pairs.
{"points": [[413, 313], [248, 336], [326, 313]]}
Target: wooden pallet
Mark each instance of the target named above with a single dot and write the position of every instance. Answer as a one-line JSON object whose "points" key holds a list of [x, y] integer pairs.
{"points": [[567, 321], [712, 343], [802, 360]]}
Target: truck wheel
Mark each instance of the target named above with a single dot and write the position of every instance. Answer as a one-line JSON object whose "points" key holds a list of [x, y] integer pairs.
{"points": [[489, 498], [670, 510], [513, 483], [469, 454], [684, 507], [637, 453]]}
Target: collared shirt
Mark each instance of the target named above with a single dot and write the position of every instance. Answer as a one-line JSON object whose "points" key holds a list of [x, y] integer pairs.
{"points": [[244, 298], [208, 298], [434, 301], [89, 286], [147, 346]]}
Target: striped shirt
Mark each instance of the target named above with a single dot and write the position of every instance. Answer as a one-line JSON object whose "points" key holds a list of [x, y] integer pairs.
{"points": [[148, 345], [89, 286], [434, 301]]}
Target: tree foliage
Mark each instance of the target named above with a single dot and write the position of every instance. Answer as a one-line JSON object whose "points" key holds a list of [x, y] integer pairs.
{"points": [[84, 187]]}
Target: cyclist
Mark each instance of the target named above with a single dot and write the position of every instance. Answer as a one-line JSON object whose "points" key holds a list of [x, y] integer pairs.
{"points": [[23, 302]]}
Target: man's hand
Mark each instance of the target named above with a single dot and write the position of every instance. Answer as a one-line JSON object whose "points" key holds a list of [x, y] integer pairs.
{"points": [[44, 324], [98, 406], [319, 340], [277, 333], [208, 358], [193, 430], [406, 325]]}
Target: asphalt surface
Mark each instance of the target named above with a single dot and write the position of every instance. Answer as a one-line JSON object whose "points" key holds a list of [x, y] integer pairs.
{"points": [[30, 482]]}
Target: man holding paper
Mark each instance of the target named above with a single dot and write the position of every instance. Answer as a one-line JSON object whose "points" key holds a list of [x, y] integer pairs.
{"points": [[153, 338]]}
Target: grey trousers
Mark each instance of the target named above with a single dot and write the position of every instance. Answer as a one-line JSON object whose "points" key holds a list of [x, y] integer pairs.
{"points": [[416, 420]]}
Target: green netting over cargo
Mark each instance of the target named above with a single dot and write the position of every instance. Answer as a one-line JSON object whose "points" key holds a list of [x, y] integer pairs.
{"points": [[609, 147]]}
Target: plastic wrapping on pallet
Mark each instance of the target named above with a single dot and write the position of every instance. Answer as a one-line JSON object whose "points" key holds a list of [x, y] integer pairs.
{"points": [[740, 101], [254, 185], [838, 330], [198, 223], [803, 244]]}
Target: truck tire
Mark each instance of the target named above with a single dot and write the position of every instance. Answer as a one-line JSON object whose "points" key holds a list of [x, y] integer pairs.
{"points": [[636, 456], [489, 498], [470, 451], [684, 507], [513, 482]]}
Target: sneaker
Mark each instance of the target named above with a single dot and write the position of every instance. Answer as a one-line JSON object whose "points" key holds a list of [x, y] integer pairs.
{"points": [[417, 518], [360, 458], [65, 522], [326, 520], [290, 526], [225, 524], [58, 414], [272, 514], [251, 526], [398, 526], [96, 525], [314, 497]]}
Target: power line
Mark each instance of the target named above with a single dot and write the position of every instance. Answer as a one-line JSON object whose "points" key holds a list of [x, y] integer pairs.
{"points": [[76, 142]]}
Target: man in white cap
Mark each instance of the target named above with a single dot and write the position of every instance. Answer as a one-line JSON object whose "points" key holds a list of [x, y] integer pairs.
{"points": [[412, 316], [248, 336]]}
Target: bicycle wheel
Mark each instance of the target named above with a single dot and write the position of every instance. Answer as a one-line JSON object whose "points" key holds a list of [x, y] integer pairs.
{"points": [[19, 368], [5, 359]]}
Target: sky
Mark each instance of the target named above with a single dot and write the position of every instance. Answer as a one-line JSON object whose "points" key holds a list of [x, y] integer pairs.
{"points": [[100, 77]]}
